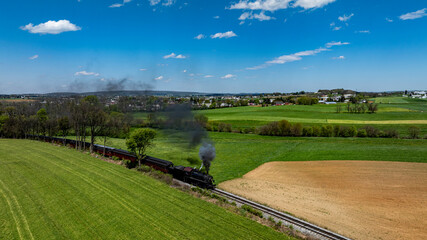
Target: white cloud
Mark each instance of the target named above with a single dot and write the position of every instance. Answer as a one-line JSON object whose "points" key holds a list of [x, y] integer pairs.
{"points": [[307, 4], [284, 59], [200, 36], [84, 73], [209, 76], [173, 55], [184, 71], [216, 17], [414, 15], [310, 52], [266, 5], [245, 16], [34, 57], [142, 69], [273, 5], [228, 34], [339, 58], [158, 78], [363, 31], [345, 18], [116, 5], [228, 76], [168, 2], [154, 2], [51, 27], [164, 2], [389, 20], [249, 15], [331, 44], [297, 56]]}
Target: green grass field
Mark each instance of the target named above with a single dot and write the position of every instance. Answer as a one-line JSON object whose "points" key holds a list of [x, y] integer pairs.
{"points": [[317, 114], [399, 115], [51, 192], [393, 113], [392, 100], [238, 154]]}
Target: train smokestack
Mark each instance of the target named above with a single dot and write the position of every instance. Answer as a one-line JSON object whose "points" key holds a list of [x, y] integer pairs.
{"points": [[207, 154]]}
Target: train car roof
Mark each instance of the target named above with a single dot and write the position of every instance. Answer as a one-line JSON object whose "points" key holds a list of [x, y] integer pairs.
{"points": [[158, 160], [102, 146]]}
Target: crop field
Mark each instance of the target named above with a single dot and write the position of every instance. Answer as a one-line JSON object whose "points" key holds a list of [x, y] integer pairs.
{"points": [[404, 100], [51, 192], [359, 199], [238, 154]]}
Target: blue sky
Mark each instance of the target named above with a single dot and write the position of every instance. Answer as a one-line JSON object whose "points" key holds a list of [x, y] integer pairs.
{"points": [[212, 45]]}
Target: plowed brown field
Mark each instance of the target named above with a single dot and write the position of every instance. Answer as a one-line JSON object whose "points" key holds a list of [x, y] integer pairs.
{"points": [[359, 199]]}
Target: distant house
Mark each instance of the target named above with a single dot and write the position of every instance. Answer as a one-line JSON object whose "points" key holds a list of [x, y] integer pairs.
{"points": [[419, 94], [323, 98], [278, 103], [336, 98], [349, 95]]}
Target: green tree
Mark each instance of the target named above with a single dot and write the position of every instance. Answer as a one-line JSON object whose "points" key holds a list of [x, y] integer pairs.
{"points": [[414, 132], [64, 126], [202, 120], [139, 141], [3, 120], [284, 128], [42, 119], [372, 107]]}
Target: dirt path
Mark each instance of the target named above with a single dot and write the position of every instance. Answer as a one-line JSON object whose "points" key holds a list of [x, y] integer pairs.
{"points": [[360, 199]]}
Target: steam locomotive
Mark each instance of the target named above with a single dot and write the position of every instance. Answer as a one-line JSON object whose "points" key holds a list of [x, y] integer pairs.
{"points": [[186, 174]]}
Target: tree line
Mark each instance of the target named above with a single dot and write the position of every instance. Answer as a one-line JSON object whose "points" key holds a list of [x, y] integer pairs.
{"points": [[85, 118], [358, 108], [285, 128]]}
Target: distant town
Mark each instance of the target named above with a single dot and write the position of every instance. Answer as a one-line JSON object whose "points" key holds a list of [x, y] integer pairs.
{"points": [[131, 101]]}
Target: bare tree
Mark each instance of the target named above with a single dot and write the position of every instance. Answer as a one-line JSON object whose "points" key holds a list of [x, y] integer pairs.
{"points": [[95, 117]]}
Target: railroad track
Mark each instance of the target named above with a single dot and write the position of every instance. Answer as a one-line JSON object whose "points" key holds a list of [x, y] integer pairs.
{"points": [[297, 223]]}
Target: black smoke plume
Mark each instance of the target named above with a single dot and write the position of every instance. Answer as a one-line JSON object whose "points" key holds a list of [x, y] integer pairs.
{"points": [[108, 85], [112, 85], [181, 118], [207, 154]]}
